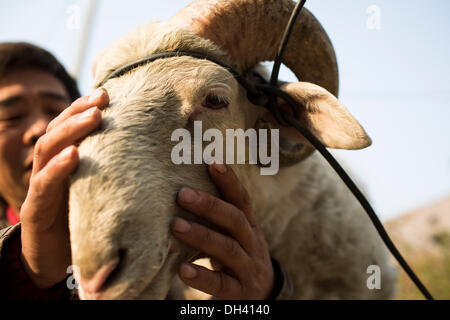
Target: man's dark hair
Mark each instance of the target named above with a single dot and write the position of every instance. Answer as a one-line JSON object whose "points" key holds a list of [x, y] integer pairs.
{"points": [[15, 55]]}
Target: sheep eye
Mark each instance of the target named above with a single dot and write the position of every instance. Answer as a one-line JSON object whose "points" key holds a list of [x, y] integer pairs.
{"points": [[214, 101]]}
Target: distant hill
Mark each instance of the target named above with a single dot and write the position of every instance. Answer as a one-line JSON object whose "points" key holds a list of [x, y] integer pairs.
{"points": [[423, 238]]}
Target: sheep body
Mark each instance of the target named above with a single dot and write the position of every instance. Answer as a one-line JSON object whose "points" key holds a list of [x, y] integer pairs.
{"points": [[320, 233], [122, 195]]}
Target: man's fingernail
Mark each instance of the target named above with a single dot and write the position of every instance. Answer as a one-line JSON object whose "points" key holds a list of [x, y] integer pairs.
{"points": [[188, 195], [187, 271], [181, 225], [221, 168], [96, 94], [65, 154]]}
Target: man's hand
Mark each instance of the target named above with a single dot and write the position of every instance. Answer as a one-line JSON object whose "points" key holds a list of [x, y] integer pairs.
{"points": [[45, 234], [240, 255]]}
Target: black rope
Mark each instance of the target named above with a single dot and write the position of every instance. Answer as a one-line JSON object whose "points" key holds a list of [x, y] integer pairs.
{"points": [[148, 59], [365, 204], [283, 44], [285, 117]]}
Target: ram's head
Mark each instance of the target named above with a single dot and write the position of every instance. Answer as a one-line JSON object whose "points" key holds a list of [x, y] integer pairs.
{"points": [[122, 197]]}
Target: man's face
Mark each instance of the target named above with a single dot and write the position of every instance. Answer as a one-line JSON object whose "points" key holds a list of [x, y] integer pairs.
{"points": [[29, 99]]}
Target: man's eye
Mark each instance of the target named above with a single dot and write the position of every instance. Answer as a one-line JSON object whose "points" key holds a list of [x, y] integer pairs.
{"points": [[214, 101], [12, 118], [53, 113]]}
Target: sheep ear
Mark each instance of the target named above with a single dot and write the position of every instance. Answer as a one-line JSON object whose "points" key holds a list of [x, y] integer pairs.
{"points": [[325, 117]]}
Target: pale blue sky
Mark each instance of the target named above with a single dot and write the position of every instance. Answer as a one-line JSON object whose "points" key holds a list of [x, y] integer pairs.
{"points": [[394, 80]]}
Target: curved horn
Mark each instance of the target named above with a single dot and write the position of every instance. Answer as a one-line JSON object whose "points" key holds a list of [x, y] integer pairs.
{"points": [[250, 31]]}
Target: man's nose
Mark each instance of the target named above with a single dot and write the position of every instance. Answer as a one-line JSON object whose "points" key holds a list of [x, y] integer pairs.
{"points": [[35, 130]]}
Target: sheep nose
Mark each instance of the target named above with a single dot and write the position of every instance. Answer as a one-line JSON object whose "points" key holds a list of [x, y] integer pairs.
{"points": [[93, 287]]}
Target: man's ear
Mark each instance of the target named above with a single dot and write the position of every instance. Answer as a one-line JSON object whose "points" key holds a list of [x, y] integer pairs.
{"points": [[324, 116]]}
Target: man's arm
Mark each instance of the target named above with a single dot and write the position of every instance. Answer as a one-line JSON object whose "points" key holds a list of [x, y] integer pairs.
{"points": [[15, 283], [44, 213]]}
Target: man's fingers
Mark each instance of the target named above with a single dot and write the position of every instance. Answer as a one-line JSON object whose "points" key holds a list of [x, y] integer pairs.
{"points": [[228, 251], [46, 184], [67, 133], [215, 283], [99, 98], [222, 214], [232, 189]]}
